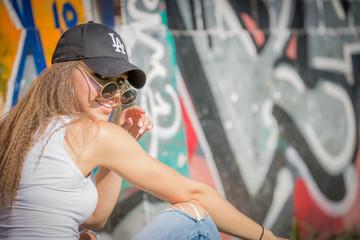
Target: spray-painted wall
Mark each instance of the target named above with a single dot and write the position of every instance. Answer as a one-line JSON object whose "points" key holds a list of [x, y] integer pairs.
{"points": [[259, 99]]}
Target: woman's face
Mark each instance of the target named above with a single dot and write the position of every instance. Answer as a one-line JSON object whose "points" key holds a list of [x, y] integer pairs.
{"points": [[87, 92]]}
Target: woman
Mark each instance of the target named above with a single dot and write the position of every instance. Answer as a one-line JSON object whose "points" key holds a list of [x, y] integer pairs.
{"points": [[58, 133]]}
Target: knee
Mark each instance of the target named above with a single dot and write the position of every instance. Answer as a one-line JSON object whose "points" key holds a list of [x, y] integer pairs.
{"points": [[193, 210]]}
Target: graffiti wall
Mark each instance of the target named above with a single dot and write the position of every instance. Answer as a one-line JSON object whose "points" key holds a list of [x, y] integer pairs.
{"points": [[259, 99]]}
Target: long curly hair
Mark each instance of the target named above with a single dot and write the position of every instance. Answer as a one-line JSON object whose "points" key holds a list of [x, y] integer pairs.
{"points": [[50, 94]]}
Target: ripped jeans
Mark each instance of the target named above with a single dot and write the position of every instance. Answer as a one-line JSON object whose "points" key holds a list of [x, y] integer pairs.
{"points": [[183, 221]]}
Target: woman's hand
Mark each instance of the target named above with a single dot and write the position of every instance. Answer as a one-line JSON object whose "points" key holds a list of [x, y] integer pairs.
{"points": [[134, 120]]}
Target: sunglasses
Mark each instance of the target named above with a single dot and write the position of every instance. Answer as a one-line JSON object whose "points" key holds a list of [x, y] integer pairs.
{"points": [[110, 89]]}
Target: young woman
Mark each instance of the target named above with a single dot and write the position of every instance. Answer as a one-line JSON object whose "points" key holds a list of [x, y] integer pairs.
{"points": [[58, 133]]}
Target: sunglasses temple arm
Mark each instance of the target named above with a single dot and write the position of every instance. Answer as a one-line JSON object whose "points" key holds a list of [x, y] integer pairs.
{"points": [[90, 76]]}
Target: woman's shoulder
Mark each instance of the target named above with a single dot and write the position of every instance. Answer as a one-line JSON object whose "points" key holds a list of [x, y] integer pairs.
{"points": [[91, 127], [88, 139], [90, 131]]}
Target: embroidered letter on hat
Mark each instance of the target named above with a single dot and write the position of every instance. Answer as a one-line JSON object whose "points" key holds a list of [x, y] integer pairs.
{"points": [[117, 44]]}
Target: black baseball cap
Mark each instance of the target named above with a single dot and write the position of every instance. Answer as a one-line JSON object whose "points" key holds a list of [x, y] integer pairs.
{"points": [[101, 49]]}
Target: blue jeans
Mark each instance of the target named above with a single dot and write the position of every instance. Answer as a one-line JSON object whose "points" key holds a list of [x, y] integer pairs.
{"points": [[175, 224]]}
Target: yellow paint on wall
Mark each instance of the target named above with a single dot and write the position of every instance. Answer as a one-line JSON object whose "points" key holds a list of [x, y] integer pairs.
{"points": [[9, 39], [44, 17]]}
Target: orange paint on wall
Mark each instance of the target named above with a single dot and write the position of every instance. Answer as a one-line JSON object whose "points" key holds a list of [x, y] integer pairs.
{"points": [[44, 14], [9, 39], [44, 19]]}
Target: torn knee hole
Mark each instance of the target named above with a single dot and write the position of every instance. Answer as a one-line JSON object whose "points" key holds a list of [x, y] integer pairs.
{"points": [[193, 210]]}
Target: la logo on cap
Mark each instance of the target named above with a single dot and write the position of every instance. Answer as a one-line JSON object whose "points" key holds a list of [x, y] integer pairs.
{"points": [[119, 47]]}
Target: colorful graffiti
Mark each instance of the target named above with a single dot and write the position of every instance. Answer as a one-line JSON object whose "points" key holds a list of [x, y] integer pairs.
{"points": [[289, 122], [29, 33], [259, 99]]}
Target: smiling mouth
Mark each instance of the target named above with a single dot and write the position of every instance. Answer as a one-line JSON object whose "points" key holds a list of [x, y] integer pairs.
{"points": [[103, 104]]}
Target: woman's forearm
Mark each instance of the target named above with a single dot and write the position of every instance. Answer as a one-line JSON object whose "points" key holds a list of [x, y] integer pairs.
{"points": [[108, 185], [226, 217]]}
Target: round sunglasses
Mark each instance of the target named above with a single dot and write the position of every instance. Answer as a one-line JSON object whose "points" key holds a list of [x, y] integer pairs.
{"points": [[110, 89]]}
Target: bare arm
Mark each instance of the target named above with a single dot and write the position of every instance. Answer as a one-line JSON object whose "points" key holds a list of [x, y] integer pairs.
{"points": [[137, 167], [108, 183]]}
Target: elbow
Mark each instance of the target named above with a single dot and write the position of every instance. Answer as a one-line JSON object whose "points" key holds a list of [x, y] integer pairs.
{"points": [[99, 225], [94, 224]]}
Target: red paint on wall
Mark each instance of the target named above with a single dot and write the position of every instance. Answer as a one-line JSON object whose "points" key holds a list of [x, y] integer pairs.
{"points": [[200, 171], [258, 35], [191, 139], [311, 218], [291, 50], [198, 167], [351, 218]]}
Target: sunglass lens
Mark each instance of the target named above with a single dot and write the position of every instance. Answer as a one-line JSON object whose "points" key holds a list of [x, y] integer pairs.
{"points": [[128, 96], [109, 90]]}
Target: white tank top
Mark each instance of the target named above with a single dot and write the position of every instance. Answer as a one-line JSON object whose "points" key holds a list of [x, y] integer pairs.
{"points": [[54, 197]]}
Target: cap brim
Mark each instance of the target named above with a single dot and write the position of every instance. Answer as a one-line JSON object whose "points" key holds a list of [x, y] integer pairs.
{"points": [[111, 67]]}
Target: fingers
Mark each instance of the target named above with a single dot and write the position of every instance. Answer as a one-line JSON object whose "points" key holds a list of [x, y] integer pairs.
{"points": [[134, 112], [136, 109], [127, 124], [145, 124], [151, 125], [137, 127], [134, 121]]}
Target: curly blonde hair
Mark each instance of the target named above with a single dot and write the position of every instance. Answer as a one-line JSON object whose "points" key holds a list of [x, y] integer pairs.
{"points": [[50, 94]]}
